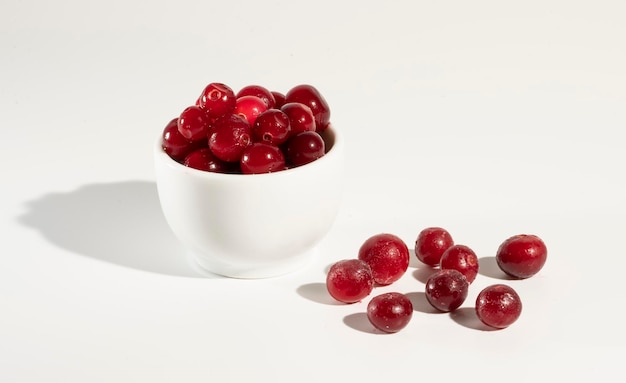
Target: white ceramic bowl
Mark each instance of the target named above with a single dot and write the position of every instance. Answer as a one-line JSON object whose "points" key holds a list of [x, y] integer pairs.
{"points": [[252, 226]]}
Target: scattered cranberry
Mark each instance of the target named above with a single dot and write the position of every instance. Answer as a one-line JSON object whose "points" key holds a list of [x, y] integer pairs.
{"points": [[300, 117], [390, 312], [271, 126], [522, 256], [349, 280], [446, 290], [204, 159], [249, 107], [217, 100], [230, 135], [305, 147], [261, 157], [387, 255], [462, 259], [311, 97], [193, 123], [431, 243], [258, 91], [175, 145], [498, 306]]}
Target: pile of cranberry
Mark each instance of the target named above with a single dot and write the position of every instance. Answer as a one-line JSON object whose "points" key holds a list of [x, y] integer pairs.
{"points": [[384, 258], [252, 131]]}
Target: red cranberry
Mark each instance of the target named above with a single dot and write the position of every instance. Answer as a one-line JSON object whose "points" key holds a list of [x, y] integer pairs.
{"points": [[387, 255], [390, 312], [305, 147], [193, 123], [261, 157], [522, 256], [300, 117], [498, 306], [311, 97], [259, 91], [249, 107], [446, 290], [230, 135], [431, 243], [462, 259], [204, 159], [272, 127], [279, 98], [349, 280], [175, 145], [217, 100]]}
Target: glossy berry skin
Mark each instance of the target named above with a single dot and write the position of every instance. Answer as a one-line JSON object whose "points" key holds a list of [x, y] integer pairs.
{"points": [[446, 290], [177, 146], [279, 98], [204, 159], [272, 127], [522, 256], [349, 280], [249, 107], [390, 312], [230, 135], [431, 243], [261, 157], [498, 306], [311, 97], [305, 147], [300, 117], [461, 258], [217, 100], [193, 123], [387, 255], [259, 91]]}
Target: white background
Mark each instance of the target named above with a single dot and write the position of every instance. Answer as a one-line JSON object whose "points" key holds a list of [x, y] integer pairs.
{"points": [[489, 118]]}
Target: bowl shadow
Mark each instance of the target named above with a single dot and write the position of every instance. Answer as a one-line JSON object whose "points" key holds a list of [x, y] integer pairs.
{"points": [[119, 223]]}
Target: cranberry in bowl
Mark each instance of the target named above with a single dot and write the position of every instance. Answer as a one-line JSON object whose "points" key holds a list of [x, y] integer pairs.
{"points": [[243, 225]]}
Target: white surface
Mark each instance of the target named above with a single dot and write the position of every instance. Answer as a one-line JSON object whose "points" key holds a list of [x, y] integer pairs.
{"points": [[486, 117]]}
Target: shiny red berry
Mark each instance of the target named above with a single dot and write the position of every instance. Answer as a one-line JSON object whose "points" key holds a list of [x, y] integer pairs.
{"points": [[349, 280], [462, 259], [193, 123], [498, 306], [300, 117], [261, 157], [387, 255], [522, 256], [446, 290], [204, 159], [177, 146], [431, 243], [305, 147], [258, 91], [249, 107], [279, 98], [390, 312], [272, 127], [311, 97], [230, 135], [217, 100]]}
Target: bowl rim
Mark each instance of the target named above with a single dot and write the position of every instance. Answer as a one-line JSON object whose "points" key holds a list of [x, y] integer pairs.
{"points": [[330, 135]]}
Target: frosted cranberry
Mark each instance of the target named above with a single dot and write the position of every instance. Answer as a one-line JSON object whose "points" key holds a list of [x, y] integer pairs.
{"points": [[230, 135], [311, 97], [431, 243], [217, 100], [300, 117], [271, 126], [305, 147], [390, 312], [204, 159], [462, 259], [349, 280], [522, 256], [498, 306], [249, 107], [387, 255], [260, 92], [446, 290], [261, 157], [175, 145], [193, 123], [279, 98]]}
